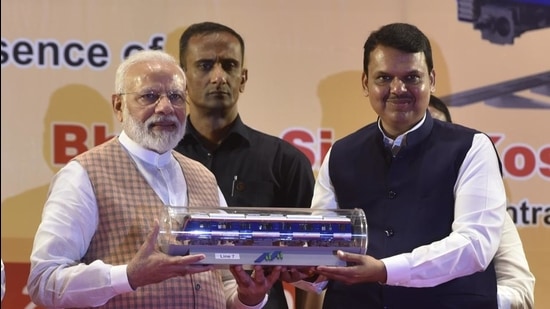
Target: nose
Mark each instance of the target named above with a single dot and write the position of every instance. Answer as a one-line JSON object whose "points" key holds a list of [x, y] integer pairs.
{"points": [[219, 75], [397, 85], [164, 105]]}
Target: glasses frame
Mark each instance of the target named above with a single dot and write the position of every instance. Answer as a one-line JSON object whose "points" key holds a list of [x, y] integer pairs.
{"points": [[141, 97]]}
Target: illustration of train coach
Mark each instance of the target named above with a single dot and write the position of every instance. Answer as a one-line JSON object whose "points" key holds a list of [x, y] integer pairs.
{"points": [[288, 237]]}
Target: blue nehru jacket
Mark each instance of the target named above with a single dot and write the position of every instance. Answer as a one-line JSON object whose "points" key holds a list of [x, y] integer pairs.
{"points": [[408, 201]]}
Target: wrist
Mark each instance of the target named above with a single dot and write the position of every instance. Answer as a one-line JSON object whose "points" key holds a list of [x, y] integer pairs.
{"points": [[252, 302], [312, 278]]}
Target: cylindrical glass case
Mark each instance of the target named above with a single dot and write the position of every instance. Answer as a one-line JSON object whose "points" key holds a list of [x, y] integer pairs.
{"points": [[263, 236]]}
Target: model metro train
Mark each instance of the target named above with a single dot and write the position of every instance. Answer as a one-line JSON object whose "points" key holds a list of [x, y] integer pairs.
{"points": [[263, 236], [266, 230]]}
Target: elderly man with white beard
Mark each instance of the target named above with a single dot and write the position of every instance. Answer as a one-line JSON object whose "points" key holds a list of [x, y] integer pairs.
{"points": [[97, 242]]}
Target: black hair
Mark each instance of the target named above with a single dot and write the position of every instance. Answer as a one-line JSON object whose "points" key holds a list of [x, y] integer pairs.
{"points": [[204, 28], [401, 36], [438, 104]]}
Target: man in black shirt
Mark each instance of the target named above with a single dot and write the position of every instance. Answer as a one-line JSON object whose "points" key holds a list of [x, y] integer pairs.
{"points": [[252, 169]]}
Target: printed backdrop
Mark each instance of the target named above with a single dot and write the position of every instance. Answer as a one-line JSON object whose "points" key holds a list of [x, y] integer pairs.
{"points": [[304, 58]]}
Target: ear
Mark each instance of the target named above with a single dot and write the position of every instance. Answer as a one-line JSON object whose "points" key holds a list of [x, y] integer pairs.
{"points": [[364, 82], [432, 81], [116, 101], [244, 78]]}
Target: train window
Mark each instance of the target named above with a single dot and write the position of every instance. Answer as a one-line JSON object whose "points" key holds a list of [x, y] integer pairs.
{"points": [[246, 226], [265, 226]]}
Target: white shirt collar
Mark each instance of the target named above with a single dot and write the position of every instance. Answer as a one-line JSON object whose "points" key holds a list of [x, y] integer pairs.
{"points": [[399, 139], [146, 155]]}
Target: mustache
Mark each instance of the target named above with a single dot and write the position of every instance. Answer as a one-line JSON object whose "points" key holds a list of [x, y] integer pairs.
{"points": [[162, 118], [404, 96]]}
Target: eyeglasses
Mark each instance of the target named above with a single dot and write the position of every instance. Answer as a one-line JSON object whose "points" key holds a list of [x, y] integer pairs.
{"points": [[176, 98]]}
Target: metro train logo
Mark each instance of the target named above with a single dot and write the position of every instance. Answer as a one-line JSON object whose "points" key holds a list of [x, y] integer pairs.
{"points": [[269, 256]]}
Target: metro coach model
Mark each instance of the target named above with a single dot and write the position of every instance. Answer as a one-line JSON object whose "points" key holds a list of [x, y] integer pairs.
{"points": [[264, 236]]}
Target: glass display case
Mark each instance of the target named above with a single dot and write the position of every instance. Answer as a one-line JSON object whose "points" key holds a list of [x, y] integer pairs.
{"points": [[263, 236]]}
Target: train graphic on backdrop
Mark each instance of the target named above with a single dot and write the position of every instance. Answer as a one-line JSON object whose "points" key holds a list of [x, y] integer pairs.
{"points": [[268, 238], [527, 92], [501, 21]]}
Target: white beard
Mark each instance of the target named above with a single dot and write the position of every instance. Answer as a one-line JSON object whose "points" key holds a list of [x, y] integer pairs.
{"points": [[140, 133]]}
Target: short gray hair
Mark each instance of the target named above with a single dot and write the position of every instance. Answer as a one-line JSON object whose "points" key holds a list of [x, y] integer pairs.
{"points": [[138, 57]]}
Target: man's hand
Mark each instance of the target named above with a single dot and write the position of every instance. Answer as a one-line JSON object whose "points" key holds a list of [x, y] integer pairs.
{"points": [[364, 268], [150, 265], [252, 288], [293, 274]]}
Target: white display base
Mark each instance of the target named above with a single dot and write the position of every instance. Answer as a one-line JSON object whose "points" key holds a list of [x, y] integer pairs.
{"points": [[263, 255]]}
